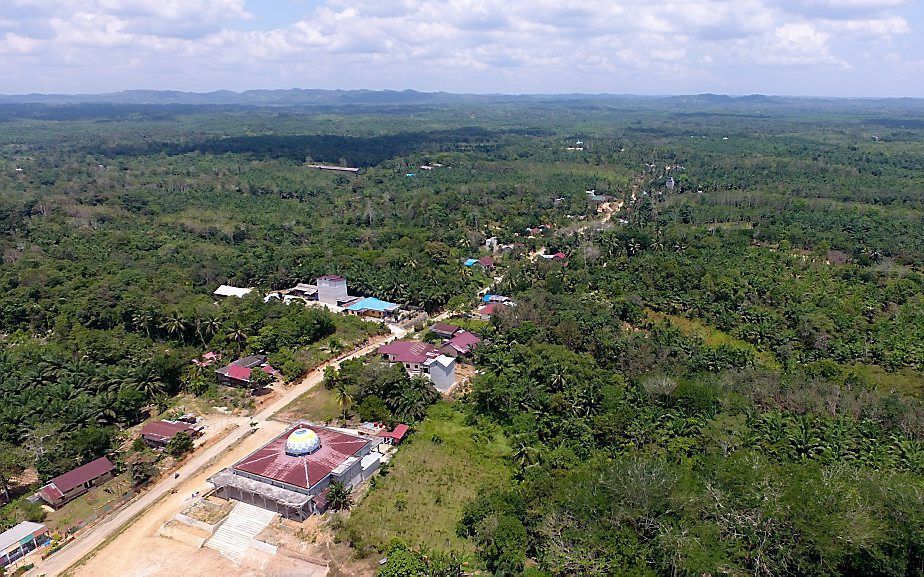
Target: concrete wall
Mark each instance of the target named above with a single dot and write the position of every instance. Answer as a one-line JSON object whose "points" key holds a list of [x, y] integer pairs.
{"points": [[443, 379], [332, 291]]}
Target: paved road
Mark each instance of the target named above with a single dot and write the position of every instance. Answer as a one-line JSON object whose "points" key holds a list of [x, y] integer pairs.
{"points": [[93, 537]]}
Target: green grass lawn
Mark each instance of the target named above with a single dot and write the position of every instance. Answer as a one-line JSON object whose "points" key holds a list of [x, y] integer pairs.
{"points": [[94, 502], [317, 405], [439, 469]]}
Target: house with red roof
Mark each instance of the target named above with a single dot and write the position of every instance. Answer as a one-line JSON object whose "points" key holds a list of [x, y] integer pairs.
{"points": [[158, 433], [485, 312], [396, 435], [422, 359], [486, 263], [411, 354], [292, 473], [67, 487], [237, 374], [444, 330], [461, 343]]}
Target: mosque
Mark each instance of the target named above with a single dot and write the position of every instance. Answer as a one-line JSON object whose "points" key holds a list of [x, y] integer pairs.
{"points": [[292, 473]]}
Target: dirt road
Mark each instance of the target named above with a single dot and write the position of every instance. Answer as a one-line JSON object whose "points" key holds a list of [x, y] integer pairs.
{"points": [[239, 439]]}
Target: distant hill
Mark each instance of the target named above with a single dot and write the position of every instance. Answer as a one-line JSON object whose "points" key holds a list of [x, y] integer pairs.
{"points": [[296, 97]]}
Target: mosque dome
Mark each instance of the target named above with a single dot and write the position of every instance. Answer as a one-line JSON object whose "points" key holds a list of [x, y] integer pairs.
{"points": [[302, 442]]}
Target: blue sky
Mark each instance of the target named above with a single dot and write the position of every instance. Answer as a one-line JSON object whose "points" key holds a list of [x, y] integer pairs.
{"points": [[799, 47]]}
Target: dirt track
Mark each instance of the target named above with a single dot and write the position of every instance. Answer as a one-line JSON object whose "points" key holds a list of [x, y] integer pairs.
{"points": [[137, 550]]}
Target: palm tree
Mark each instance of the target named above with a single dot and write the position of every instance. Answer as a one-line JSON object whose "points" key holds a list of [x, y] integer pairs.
{"points": [[525, 455], [236, 333], [175, 325], [338, 496], [207, 328], [344, 399]]}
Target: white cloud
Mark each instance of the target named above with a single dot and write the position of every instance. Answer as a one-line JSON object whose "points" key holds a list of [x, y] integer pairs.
{"points": [[529, 43]]}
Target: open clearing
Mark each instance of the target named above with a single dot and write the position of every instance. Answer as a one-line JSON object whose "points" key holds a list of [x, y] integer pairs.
{"points": [[434, 474]]}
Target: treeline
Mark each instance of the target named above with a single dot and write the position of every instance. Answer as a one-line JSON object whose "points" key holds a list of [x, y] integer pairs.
{"points": [[673, 467]]}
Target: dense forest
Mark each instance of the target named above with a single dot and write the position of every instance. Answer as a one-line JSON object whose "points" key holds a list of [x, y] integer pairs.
{"points": [[724, 375]]}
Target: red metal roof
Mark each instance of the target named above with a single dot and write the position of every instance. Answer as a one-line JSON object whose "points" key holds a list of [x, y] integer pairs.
{"points": [[464, 341], [398, 433], [81, 475], [238, 372], [486, 262], [164, 431], [50, 493], [488, 309], [445, 328], [408, 351], [272, 462]]}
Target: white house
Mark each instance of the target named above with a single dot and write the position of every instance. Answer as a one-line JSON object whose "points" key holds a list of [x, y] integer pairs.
{"points": [[231, 291]]}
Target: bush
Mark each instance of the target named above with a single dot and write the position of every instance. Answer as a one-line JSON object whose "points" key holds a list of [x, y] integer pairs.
{"points": [[179, 445]]}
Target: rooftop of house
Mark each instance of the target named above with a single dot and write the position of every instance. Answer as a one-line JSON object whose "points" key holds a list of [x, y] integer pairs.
{"points": [[409, 351], [444, 328], [373, 304], [397, 433], [80, 475], [490, 308], [161, 431], [486, 261], [231, 291], [464, 341], [272, 462], [15, 535], [441, 360], [470, 262]]}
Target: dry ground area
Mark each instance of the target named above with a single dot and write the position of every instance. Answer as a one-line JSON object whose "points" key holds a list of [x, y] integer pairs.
{"points": [[139, 552]]}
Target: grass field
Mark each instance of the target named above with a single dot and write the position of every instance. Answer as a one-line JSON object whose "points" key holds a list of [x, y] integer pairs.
{"points": [[317, 405], [435, 473], [712, 336], [96, 501]]}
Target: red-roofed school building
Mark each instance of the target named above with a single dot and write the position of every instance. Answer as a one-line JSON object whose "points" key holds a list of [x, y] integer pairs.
{"points": [[67, 487]]}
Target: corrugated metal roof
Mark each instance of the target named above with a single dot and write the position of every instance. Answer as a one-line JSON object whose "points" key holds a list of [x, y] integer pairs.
{"points": [[82, 474], [372, 304], [164, 430], [272, 462], [13, 536], [231, 291]]}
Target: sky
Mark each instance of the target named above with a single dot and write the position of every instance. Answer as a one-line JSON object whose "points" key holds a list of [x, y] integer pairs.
{"points": [[788, 47]]}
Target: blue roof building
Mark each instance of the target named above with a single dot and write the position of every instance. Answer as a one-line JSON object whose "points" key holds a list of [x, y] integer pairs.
{"points": [[371, 306], [471, 261]]}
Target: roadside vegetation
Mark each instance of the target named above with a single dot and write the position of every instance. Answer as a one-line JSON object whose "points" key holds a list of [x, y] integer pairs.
{"points": [[723, 375]]}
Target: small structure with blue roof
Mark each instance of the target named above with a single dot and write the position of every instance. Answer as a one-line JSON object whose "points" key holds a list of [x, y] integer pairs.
{"points": [[471, 262], [373, 307]]}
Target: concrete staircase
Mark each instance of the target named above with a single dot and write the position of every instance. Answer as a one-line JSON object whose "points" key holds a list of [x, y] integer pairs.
{"points": [[233, 537]]}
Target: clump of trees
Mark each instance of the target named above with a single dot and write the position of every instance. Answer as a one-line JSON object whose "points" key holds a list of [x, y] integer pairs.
{"points": [[380, 391]]}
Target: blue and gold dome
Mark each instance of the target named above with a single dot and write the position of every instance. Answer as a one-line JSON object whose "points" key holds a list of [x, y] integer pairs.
{"points": [[302, 442]]}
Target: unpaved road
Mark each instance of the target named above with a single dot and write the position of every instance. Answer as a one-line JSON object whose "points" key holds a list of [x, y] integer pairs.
{"points": [[87, 543]]}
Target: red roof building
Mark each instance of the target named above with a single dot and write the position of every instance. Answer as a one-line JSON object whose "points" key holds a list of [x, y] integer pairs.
{"points": [[159, 433], [291, 473], [273, 463], [489, 309], [408, 352], [396, 435], [76, 482], [461, 343], [486, 262], [237, 374], [444, 330]]}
